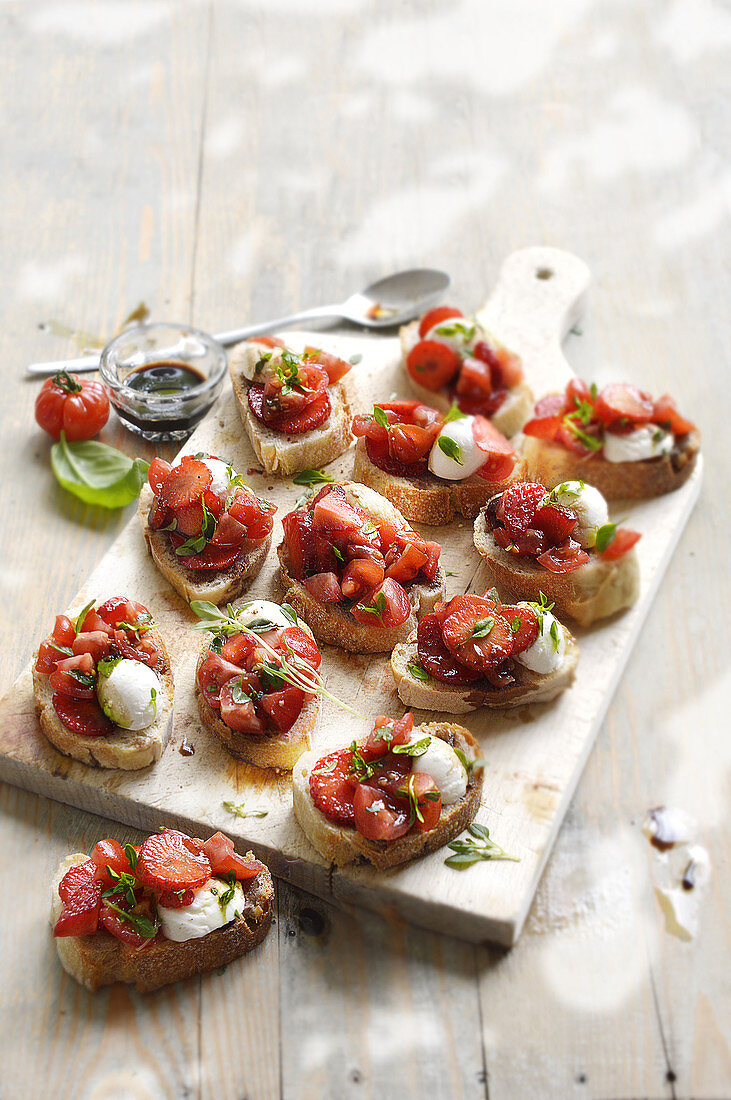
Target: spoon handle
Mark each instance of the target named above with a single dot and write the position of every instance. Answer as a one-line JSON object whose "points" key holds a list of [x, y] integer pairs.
{"points": [[233, 336]]}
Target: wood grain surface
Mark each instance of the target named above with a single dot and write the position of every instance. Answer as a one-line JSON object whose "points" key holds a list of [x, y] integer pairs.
{"points": [[227, 161]]}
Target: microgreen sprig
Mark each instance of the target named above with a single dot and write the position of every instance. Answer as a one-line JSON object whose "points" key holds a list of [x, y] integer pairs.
{"points": [[470, 851]]}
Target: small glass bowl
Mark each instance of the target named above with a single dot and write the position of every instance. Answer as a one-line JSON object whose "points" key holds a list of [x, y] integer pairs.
{"points": [[167, 412]]}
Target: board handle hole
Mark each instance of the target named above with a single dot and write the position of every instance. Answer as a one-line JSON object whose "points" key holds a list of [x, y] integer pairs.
{"points": [[544, 273]]}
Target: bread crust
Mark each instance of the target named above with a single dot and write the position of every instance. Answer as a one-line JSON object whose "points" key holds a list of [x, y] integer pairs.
{"points": [[283, 454], [594, 591], [509, 418], [342, 845], [196, 584], [268, 750], [432, 695], [128, 750], [550, 463], [102, 959], [427, 499]]}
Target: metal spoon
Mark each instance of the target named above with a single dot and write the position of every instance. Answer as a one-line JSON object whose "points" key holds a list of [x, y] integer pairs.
{"points": [[388, 302]]}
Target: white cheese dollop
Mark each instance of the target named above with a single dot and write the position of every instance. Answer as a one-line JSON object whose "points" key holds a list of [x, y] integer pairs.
{"points": [[263, 609], [441, 762], [461, 434], [547, 653], [589, 505], [204, 914], [461, 335], [130, 694], [647, 442]]}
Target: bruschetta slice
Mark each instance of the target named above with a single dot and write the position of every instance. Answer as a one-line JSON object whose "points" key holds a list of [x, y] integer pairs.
{"points": [[451, 359], [294, 406], [256, 681], [617, 439], [431, 466], [391, 797], [478, 651], [207, 531], [159, 913], [103, 686], [355, 571], [560, 543]]}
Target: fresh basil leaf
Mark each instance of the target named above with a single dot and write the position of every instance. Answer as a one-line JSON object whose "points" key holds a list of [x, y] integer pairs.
{"points": [[380, 417], [312, 477], [451, 449], [605, 536], [290, 613], [455, 413], [354, 359], [237, 692], [96, 473], [81, 616], [415, 748], [417, 671], [483, 628]]}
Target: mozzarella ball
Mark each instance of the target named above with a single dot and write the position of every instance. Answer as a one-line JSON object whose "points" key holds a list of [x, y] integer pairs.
{"points": [[204, 914], [647, 442], [441, 762], [461, 434], [588, 504], [129, 695], [547, 653]]}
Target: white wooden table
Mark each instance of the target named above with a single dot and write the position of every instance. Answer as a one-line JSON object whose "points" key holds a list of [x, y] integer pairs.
{"points": [[230, 161]]}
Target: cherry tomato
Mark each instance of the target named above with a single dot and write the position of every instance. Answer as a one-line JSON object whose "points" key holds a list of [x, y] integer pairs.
{"points": [[432, 364], [435, 317], [80, 408], [623, 541]]}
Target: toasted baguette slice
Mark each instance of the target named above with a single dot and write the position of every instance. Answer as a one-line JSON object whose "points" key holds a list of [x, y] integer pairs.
{"points": [[431, 694], [509, 418], [129, 750], [427, 499], [342, 845], [267, 750], [284, 454], [102, 959], [593, 591], [336, 626], [550, 463], [220, 586]]}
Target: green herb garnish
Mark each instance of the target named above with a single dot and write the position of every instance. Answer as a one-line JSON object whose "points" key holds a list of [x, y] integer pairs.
{"points": [[471, 851], [605, 536], [450, 448], [312, 477], [417, 671], [455, 413], [414, 748], [240, 810]]}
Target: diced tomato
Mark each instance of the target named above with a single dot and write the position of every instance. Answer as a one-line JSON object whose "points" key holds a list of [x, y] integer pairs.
{"points": [[379, 816], [297, 528], [499, 454], [171, 899], [430, 568], [518, 505], [510, 368], [48, 656], [552, 405], [524, 626], [434, 317], [623, 541], [336, 516], [436, 658], [393, 610], [172, 861], [141, 649], [543, 427], [229, 532], [568, 438], [158, 473], [113, 611], [409, 443], [408, 564], [81, 715], [239, 716], [302, 644], [120, 928], [214, 672], [577, 392], [378, 745], [283, 708], [223, 859], [558, 523], [390, 772], [428, 798], [331, 786], [336, 368], [324, 587], [563, 559], [212, 558], [476, 634], [359, 576], [665, 413], [97, 643], [237, 649], [81, 874], [268, 341], [623, 401], [432, 364], [109, 853], [65, 680], [63, 631], [312, 416], [80, 913], [475, 379]]}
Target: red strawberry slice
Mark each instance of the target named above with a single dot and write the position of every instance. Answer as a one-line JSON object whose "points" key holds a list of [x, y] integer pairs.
{"points": [[379, 816], [80, 913], [158, 474], [476, 634], [621, 400], [76, 877], [665, 413], [518, 506], [563, 559], [379, 455], [284, 707], [83, 716], [556, 522], [172, 861], [185, 483], [623, 541], [331, 786], [432, 364], [523, 624], [312, 416], [223, 858], [212, 558], [336, 368], [436, 658]]}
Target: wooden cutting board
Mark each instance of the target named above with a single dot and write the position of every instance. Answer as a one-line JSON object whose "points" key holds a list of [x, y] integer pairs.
{"points": [[534, 756]]}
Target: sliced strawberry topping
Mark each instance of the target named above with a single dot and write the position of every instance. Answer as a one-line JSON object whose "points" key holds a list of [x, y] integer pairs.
{"points": [[297, 528], [499, 454], [665, 413], [237, 709], [436, 317], [475, 380], [229, 532], [510, 370], [335, 367], [114, 611], [185, 484], [623, 541], [122, 929], [432, 364], [543, 427], [212, 558], [324, 587], [80, 913], [331, 786], [524, 626], [254, 513], [223, 859], [622, 401], [556, 522], [386, 733], [74, 676], [409, 443], [475, 633], [141, 649], [518, 505], [82, 874], [214, 672], [109, 853], [436, 658], [172, 861], [63, 631], [312, 416], [237, 649], [429, 800], [81, 715], [563, 559], [158, 474], [96, 643], [296, 640], [359, 576], [49, 654]]}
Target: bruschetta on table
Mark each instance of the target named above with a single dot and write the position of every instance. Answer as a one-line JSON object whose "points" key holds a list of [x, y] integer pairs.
{"points": [[479, 651], [431, 465], [451, 359], [355, 571], [206, 530], [257, 681], [158, 913], [390, 797], [103, 686], [617, 439], [560, 542], [294, 405]]}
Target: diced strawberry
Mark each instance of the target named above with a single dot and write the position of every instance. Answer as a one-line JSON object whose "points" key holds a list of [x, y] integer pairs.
{"points": [[577, 392], [113, 611], [378, 744], [552, 405], [523, 625], [297, 528], [223, 859], [185, 484], [109, 853], [312, 416], [665, 413], [237, 649], [63, 631], [518, 505], [284, 707], [432, 364], [120, 928], [80, 913], [254, 513], [213, 558], [93, 622], [83, 716], [48, 656], [543, 427], [324, 587], [436, 658], [214, 672], [623, 401], [95, 642], [475, 379], [499, 453], [557, 523], [81, 874], [172, 861], [430, 568], [229, 532], [335, 516], [476, 634], [429, 800], [331, 788], [563, 559], [141, 649], [510, 368], [436, 317], [74, 676], [158, 473], [268, 341], [623, 541], [408, 564], [567, 437]]}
